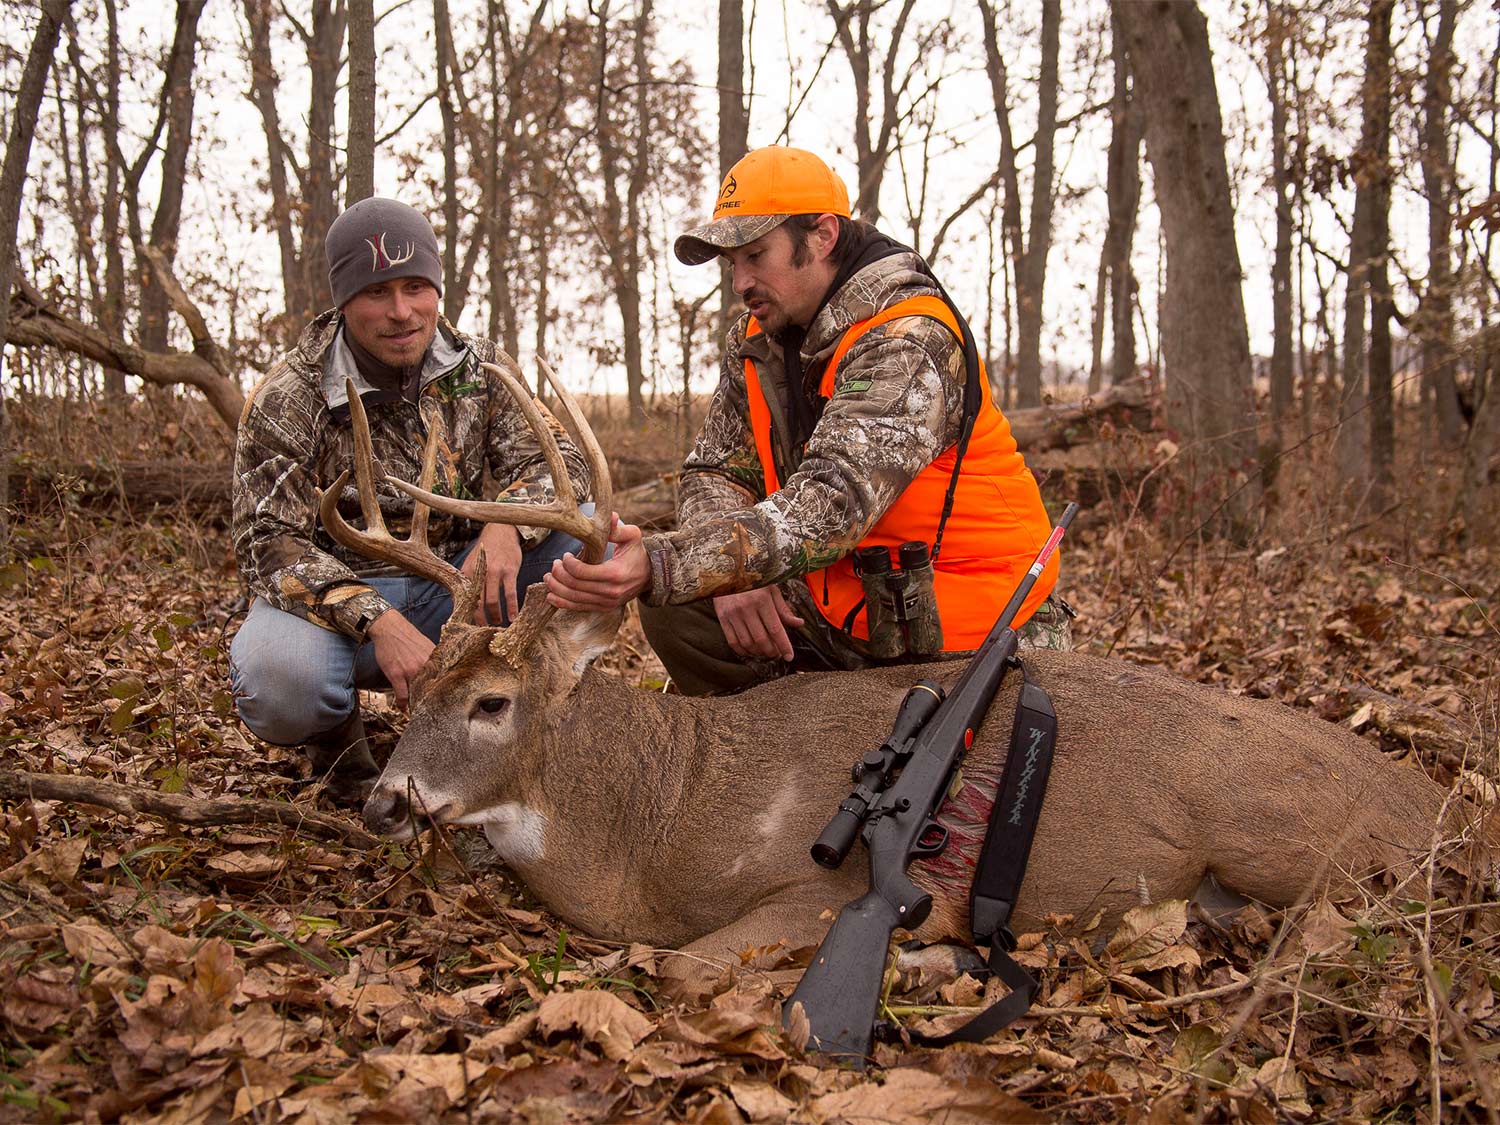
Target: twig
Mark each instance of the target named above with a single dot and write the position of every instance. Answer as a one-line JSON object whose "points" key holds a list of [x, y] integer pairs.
{"points": [[19, 785]]}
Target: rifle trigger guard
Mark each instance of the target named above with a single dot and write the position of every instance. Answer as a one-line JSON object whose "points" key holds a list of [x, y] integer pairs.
{"points": [[932, 841]]}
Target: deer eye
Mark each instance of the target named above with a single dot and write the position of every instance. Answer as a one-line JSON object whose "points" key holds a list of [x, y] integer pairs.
{"points": [[494, 704]]}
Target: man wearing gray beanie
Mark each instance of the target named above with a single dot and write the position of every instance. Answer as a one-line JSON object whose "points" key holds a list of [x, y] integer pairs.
{"points": [[324, 621]]}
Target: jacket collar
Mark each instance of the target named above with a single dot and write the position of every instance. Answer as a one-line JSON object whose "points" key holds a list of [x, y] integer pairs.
{"points": [[322, 353], [445, 355]]}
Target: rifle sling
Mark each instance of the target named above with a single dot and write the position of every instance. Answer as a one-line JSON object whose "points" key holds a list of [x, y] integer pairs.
{"points": [[1002, 862]]}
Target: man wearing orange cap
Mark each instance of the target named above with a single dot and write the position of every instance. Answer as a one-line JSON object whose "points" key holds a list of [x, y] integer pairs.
{"points": [[852, 415]]}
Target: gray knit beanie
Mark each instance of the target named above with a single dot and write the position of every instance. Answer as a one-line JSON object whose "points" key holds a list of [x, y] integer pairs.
{"points": [[380, 240]]}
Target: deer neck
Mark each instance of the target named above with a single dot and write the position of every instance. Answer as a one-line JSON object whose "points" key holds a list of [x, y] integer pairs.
{"points": [[619, 768]]}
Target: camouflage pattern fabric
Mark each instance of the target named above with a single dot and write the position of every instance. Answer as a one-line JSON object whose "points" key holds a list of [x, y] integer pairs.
{"points": [[294, 439], [1050, 627], [897, 404]]}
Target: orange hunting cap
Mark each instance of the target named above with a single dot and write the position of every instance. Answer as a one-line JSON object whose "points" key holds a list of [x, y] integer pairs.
{"points": [[762, 191]]}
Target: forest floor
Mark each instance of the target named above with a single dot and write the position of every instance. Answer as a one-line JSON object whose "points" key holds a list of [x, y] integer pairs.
{"points": [[153, 970]]}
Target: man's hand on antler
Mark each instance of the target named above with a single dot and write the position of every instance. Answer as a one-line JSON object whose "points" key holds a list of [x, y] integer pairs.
{"points": [[575, 584], [401, 650], [501, 544]]}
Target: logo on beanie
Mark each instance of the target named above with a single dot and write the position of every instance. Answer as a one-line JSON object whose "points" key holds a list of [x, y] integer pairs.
{"points": [[382, 259]]}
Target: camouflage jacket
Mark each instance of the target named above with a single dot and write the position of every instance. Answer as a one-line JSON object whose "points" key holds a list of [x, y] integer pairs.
{"points": [[897, 404], [294, 439]]}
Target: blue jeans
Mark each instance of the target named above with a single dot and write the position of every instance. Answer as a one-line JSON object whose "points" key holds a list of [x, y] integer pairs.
{"points": [[293, 680]]}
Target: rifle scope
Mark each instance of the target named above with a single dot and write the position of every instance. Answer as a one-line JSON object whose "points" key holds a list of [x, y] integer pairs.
{"points": [[870, 774]]}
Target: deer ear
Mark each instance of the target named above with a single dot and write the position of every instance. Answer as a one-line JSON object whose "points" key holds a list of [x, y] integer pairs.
{"points": [[583, 636]]}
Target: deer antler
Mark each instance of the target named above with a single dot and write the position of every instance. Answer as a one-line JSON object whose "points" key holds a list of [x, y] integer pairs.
{"points": [[563, 513], [412, 553]]}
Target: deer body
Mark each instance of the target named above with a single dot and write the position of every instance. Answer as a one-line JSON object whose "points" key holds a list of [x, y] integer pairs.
{"points": [[687, 822]]}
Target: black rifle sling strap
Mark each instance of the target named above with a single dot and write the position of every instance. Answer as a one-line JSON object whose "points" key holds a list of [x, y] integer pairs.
{"points": [[1002, 862]]}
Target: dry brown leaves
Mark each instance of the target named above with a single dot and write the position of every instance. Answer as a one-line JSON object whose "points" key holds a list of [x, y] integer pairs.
{"points": [[153, 972]]}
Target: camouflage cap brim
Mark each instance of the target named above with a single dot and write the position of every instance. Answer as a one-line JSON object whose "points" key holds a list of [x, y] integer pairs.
{"points": [[703, 244]]}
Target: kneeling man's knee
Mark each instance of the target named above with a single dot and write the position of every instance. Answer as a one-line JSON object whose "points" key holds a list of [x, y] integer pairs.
{"points": [[285, 692]]}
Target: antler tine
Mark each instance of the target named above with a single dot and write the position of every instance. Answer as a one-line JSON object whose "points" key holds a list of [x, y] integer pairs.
{"points": [[563, 512], [376, 542], [583, 434]]}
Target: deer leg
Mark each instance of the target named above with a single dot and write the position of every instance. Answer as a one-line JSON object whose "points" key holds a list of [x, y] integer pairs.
{"points": [[759, 939]]}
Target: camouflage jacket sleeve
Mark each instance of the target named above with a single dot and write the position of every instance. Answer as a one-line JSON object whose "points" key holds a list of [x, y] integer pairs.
{"points": [[723, 472], [897, 405], [276, 512]]}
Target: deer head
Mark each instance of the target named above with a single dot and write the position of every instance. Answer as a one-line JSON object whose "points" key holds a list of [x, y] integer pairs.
{"points": [[482, 705]]}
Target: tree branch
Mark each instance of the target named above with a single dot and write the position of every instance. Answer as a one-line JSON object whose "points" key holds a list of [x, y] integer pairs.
{"points": [[19, 785]]}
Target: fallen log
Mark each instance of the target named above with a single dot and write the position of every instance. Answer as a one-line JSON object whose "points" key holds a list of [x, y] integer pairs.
{"points": [[647, 488], [1061, 425], [140, 485], [19, 785], [143, 485]]}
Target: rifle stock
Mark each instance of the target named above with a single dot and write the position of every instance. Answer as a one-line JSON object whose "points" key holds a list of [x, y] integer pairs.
{"points": [[845, 976]]}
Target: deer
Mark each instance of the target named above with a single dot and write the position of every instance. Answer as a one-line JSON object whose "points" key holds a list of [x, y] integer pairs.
{"points": [[685, 823]]}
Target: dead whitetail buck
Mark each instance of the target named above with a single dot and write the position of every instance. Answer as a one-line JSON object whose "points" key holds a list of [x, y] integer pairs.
{"points": [[683, 822]]}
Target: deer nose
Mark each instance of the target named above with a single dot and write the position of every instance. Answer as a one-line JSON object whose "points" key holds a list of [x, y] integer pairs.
{"points": [[386, 811]]}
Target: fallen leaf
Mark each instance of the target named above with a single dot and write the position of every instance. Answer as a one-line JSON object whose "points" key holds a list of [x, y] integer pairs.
{"points": [[915, 1095], [599, 1016], [1145, 932], [248, 864], [87, 941]]}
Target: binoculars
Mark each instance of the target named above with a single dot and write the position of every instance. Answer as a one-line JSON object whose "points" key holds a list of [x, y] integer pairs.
{"points": [[900, 605]]}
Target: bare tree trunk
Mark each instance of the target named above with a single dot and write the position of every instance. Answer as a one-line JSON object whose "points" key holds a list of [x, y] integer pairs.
{"points": [[1205, 344], [1435, 319], [168, 215], [324, 44], [1365, 246], [360, 174], [1482, 443], [1096, 325], [443, 38], [1277, 35], [263, 84], [1030, 255], [734, 123], [12, 182], [871, 150], [1124, 195], [112, 310], [82, 206], [505, 161], [1031, 276], [635, 191], [620, 232], [1382, 302]]}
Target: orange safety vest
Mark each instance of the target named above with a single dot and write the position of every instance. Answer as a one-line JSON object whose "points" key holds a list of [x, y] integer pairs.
{"points": [[997, 525]]}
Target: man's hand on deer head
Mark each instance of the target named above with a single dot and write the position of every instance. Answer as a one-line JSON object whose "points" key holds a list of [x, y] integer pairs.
{"points": [[501, 544], [755, 621], [575, 584], [400, 650]]}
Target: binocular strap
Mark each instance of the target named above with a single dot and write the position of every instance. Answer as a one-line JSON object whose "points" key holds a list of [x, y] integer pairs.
{"points": [[1002, 862]]}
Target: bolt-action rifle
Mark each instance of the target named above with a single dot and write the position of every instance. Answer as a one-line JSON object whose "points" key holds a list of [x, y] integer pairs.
{"points": [[840, 991]]}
